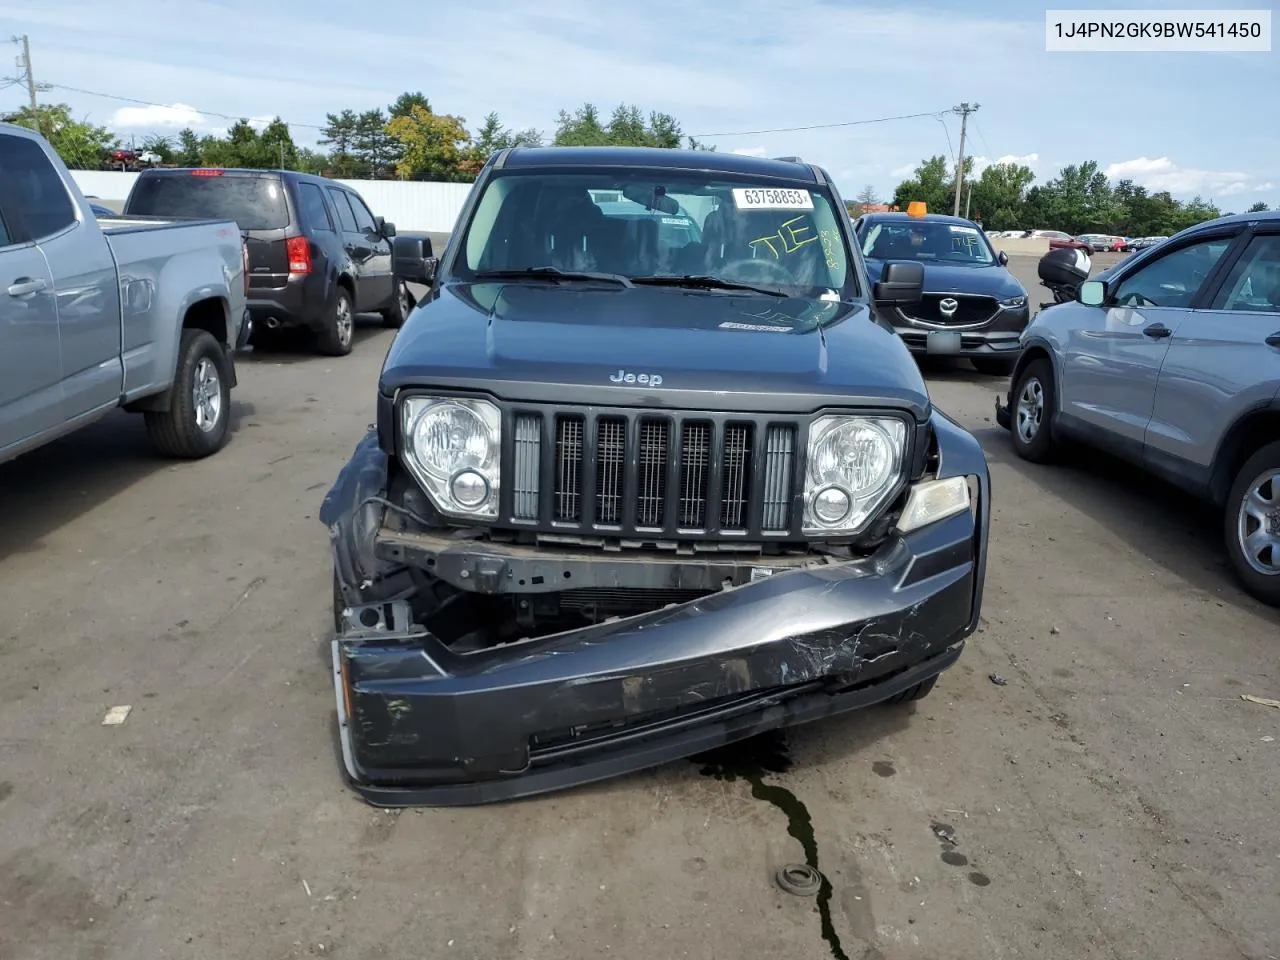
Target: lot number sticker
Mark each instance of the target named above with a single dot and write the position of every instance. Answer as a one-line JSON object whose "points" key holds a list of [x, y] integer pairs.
{"points": [[769, 198]]}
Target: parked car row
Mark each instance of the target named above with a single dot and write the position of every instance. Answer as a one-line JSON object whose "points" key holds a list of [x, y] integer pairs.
{"points": [[1171, 361]]}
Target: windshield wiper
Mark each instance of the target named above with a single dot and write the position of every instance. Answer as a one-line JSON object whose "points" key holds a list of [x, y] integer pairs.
{"points": [[705, 282], [552, 273]]}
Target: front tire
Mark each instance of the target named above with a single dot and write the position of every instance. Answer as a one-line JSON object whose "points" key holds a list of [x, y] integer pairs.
{"points": [[334, 339], [393, 317], [1252, 525], [1031, 416], [198, 419], [994, 366]]}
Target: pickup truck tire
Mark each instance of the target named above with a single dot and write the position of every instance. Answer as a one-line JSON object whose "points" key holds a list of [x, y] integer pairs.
{"points": [[994, 366], [197, 421], [1031, 412], [1251, 524], [401, 303], [335, 337]]}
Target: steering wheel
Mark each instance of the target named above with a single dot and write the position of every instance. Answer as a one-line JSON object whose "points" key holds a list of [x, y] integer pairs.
{"points": [[764, 270]]}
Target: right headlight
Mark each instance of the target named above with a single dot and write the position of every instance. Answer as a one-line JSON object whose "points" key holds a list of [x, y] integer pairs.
{"points": [[852, 466], [452, 446]]}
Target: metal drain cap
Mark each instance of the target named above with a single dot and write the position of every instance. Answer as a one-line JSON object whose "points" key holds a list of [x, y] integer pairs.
{"points": [[799, 879]]}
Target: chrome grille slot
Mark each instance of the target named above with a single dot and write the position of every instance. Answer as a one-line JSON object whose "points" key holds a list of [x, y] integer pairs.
{"points": [[611, 458], [569, 451], [779, 469], [526, 466], [735, 476], [695, 466], [651, 465], [652, 479]]}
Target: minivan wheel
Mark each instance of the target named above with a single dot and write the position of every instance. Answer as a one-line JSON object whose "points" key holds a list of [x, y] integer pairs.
{"points": [[1031, 416], [335, 337], [394, 316], [1252, 524]]}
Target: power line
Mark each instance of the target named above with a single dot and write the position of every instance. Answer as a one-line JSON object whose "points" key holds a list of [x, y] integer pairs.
{"points": [[981, 136], [165, 106], [819, 126], [947, 130]]}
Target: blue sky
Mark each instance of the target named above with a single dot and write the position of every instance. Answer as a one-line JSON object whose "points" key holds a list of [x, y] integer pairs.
{"points": [[1191, 123]]}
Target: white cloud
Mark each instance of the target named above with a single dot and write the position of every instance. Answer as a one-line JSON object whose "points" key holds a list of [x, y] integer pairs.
{"points": [[752, 151], [906, 170], [1161, 173], [1264, 187], [175, 115], [1031, 160]]}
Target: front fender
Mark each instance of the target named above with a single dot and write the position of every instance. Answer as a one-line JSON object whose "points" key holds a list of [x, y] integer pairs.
{"points": [[961, 455]]}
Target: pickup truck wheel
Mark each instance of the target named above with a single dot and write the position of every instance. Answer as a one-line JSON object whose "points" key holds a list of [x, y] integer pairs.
{"points": [[197, 421], [918, 692], [334, 338], [1032, 414], [1252, 524], [994, 366], [394, 316]]}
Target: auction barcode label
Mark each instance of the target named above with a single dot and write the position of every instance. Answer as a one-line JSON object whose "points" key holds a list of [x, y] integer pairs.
{"points": [[1158, 31]]}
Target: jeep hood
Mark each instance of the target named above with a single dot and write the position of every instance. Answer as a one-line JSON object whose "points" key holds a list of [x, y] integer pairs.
{"points": [[593, 343]]}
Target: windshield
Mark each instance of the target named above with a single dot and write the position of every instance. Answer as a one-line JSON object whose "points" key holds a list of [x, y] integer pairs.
{"points": [[658, 223], [926, 241], [255, 203]]}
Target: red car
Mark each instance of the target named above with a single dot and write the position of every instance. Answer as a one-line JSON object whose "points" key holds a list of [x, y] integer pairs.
{"points": [[1071, 243]]}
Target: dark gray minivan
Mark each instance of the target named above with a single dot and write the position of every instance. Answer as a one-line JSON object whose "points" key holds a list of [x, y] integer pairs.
{"points": [[317, 254]]}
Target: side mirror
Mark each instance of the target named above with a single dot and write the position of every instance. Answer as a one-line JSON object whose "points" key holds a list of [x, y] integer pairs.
{"points": [[1093, 293], [1002, 258], [413, 259], [900, 283], [388, 229]]}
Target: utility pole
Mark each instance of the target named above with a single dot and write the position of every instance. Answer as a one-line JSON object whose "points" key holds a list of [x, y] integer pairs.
{"points": [[964, 110], [28, 79]]}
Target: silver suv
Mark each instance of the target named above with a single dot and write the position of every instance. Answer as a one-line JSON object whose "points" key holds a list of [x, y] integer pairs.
{"points": [[1171, 360]]}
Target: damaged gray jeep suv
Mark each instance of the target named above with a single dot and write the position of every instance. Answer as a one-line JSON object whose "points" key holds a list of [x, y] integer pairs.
{"points": [[650, 474]]}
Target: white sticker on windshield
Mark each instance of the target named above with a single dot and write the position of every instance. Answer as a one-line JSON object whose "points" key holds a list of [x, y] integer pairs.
{"points": [[771, 198], [732, 325], [676, 221], [967, 231]]}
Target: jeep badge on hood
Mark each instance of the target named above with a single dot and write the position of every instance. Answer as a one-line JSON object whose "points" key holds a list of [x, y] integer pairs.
{"points": [[622, 376]]}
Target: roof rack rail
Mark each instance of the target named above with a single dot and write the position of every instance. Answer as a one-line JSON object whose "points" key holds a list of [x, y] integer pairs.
{"points": [[788, 159]]}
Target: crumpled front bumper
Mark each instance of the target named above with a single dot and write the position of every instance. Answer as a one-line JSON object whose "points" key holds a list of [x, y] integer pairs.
{"points": [[420, 724]]}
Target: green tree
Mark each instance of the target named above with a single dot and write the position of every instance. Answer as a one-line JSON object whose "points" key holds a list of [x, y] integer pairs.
{"points": [[432, 146], [80, 144], [931, 183], [582, 128], [188, 152], [1258, 207], [372, 148], [161, 146], [339, 133], [405, 103], [999, 194]]}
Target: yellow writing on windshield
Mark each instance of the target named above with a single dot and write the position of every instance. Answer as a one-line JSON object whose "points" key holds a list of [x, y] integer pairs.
{"points": [[829, 242], [789, 238]]}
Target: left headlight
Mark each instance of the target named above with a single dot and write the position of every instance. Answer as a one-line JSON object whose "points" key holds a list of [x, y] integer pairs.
{"points": [[1013, 302], [453, 448], [852, 467]]}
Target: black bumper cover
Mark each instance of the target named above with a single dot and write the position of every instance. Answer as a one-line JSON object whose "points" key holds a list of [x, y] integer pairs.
{"points": [[420, 724]]}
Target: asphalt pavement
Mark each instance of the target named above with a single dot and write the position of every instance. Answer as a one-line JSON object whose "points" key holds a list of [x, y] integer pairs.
{"points": [[1113, 797]]}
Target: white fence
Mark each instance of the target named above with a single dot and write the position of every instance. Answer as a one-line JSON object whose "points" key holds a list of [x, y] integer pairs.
{"points": [[410, 205]]}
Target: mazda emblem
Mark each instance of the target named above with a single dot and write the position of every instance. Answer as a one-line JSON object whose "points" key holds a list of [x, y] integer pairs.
{"points": [[948, 307]]}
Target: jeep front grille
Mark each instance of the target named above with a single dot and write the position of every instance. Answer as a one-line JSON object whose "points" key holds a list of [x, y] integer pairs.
{"points": [[651, 475]]}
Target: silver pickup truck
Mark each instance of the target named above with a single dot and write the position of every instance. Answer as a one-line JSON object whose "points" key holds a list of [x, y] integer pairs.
{"points": [[96, 315]]}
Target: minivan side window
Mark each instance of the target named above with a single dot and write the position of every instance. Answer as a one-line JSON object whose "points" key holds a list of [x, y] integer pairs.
{"points": [[314, 212], [1253, 285], [339, 199], [364, 218], [40, 196], [1174, 278]]}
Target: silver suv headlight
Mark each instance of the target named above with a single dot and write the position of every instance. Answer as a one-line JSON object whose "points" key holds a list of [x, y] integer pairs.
{"points": [[453, 447], [852, 467]]}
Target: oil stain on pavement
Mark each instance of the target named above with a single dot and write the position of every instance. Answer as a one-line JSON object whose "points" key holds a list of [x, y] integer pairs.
{"points": [[751, 761]]}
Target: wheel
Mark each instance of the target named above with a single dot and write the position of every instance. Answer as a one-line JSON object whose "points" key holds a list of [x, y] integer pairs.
{"points": [[1032, 414], [918, 692], [196, 423], [334, 338], [394, 316], [994, 366], [1252, 524]]}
